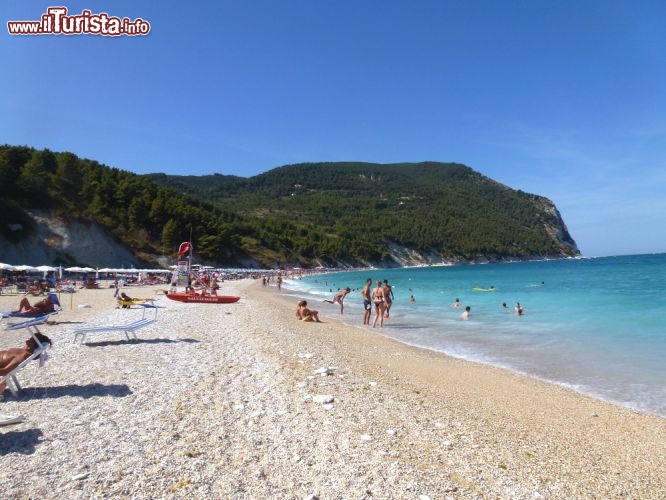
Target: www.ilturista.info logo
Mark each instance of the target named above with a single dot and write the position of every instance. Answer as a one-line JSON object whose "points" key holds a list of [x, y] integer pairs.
{"points": [[57, 22]]}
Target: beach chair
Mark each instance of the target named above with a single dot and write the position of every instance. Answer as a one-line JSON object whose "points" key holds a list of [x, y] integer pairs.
{"points": [[30, 325], [55, 301], [129, 329]]}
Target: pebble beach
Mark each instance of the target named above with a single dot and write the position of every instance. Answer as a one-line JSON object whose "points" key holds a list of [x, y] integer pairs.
{"points": [[245, 401]]}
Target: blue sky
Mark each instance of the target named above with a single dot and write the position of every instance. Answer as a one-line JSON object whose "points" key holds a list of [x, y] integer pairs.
{"points": [[565, 99]]}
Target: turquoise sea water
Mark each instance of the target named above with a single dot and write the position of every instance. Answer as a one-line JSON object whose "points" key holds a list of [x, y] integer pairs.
{"points": [[596, 325]]}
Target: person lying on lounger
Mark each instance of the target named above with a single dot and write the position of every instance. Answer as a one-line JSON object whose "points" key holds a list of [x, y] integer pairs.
{"points": [[125, 301], [11, 358], [42, 307]]}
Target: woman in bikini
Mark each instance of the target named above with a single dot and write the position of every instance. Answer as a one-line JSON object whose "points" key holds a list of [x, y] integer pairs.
{"points": [[305, 314], [379, 300]]}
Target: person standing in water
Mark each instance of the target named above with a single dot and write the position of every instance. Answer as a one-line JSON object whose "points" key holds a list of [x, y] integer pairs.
{"points": [[379, 301], [388, 298], [367, 301]]}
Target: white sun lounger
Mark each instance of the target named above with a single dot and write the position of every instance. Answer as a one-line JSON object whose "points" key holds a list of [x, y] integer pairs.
{"points": [[30, 325], [130, 328]]}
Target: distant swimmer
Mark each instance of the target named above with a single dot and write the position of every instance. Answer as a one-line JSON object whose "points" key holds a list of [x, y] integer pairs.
{"points": [[519, 309], [456, 303], [466, 313], [411, 298]]}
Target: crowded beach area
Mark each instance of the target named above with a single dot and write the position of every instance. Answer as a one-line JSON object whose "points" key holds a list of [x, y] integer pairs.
{"points": [[243, 400]]}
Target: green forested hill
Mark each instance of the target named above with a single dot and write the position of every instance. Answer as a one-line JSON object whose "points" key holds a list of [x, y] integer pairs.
{"points": [[306, 214], [362, 208]]}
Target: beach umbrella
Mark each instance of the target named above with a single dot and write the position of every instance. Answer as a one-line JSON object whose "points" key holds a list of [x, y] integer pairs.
{"points": [[46, 269], [76, 269], [24, 268], [6, 267]]}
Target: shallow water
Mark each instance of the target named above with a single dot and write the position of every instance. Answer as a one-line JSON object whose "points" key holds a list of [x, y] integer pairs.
{"points": [[597, 325]]}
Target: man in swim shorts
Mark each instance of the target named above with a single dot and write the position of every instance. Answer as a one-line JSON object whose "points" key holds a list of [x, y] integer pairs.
{"points": [[367, 301]]}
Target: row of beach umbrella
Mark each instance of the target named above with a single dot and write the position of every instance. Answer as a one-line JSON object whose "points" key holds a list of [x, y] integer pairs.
{"points": [[76, 269]]}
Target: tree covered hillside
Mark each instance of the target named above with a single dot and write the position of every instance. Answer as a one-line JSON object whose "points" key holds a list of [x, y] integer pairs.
{"points": [[433, 208], [306, 214]]}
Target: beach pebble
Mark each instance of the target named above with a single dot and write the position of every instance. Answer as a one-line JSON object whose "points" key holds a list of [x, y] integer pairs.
{"points": [[324, 371], [366, 437], [323, 399]]}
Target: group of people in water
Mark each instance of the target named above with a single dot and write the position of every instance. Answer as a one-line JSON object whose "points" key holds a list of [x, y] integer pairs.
{"points": [[519, 309], [378, 297]]}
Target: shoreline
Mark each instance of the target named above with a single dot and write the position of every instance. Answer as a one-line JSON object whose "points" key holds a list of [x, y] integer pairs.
{"points": [[245, 401]]}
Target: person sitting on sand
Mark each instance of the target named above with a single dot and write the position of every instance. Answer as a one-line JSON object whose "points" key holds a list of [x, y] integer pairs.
{"points": [[305, 314], [466, 313], [42, 307], [339, 298]]}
